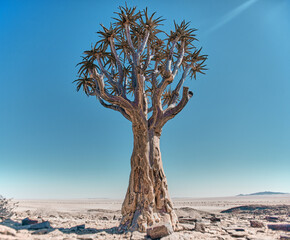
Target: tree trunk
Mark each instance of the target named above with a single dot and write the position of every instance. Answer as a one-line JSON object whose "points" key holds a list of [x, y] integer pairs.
{"points": [[147, 200], [163, 203]]}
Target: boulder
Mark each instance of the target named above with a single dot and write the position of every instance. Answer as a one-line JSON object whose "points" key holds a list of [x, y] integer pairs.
{"points": [[257, 224], [159, 230]]}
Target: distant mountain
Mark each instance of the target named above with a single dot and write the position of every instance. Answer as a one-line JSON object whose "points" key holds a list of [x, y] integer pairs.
{"points": [[261, 193]]}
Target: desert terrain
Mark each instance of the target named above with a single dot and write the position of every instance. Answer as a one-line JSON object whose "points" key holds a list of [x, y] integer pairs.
{"points": [[200, 218]]}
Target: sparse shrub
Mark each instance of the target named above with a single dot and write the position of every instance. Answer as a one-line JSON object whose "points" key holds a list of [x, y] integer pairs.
{"points": [[6, 208]]}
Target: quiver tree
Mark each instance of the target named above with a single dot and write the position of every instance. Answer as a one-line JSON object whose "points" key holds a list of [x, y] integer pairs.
{"points": [[140, 71]]}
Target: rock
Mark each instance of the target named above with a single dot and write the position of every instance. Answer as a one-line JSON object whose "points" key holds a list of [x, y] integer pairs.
{"points": [[187, 227], [28, 221], [159, 230], [55, 233], [237, 234], [281, 227], [214, 219], [187, 220], [41, 231], [199, 227], [37, 226], [104, 218], [137, 235], [284, 237], [257, 224], [7, 231], [78, 227], [272, 219], [173, 236], [85, 238]]}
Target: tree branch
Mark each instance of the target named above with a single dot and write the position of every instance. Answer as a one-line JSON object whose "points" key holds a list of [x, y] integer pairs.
{"points": [[170, 113], [119, 65], [143, 45], [170, 55], [179, 60], [114, 107], [104, 71], [115, 100], [175, 93], [148, 59]]}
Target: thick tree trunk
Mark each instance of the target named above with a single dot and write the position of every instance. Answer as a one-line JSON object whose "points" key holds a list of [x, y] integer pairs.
{"points": [[147, 200]]}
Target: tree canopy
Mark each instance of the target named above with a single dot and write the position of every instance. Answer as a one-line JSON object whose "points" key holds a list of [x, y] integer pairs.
{"points": [[134, 64]]}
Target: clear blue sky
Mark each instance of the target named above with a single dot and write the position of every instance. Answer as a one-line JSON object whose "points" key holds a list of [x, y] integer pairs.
{"points": [[233, 137]]}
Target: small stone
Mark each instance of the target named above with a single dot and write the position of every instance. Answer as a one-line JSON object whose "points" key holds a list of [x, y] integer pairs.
{"points": [[272, 219], [159, 230], [284, 237], [187, 220], [85, 238], [281, 227], [257, 224], [78, 227], [199, 227], [45, 224], [137, 235], [238, 234], [173, 236], [7, 231], [214, 219], [41, 231], [187, 227], [55, 233], [28, 221]]}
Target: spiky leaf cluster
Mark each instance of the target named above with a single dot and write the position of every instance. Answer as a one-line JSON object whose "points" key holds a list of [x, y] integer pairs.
{"points": [[134, 44]]}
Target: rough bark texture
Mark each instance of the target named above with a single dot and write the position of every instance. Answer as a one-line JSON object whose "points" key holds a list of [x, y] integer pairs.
{"points": [[147, 200]]}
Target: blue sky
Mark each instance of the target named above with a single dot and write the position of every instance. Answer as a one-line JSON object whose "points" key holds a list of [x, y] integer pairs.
{"points": [[233, 137]]}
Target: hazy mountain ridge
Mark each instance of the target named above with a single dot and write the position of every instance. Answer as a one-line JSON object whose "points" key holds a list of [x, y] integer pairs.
{"points": [[262, 193]]}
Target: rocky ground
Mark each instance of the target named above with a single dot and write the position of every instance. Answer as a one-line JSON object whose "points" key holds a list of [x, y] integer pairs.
{"points": [[234, 218]]}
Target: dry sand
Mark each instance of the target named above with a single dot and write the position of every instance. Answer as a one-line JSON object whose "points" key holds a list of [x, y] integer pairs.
{"points": [[201, 217]]}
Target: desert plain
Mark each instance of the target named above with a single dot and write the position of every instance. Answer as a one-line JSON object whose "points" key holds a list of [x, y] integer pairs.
{"points": [[248, 217]]}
